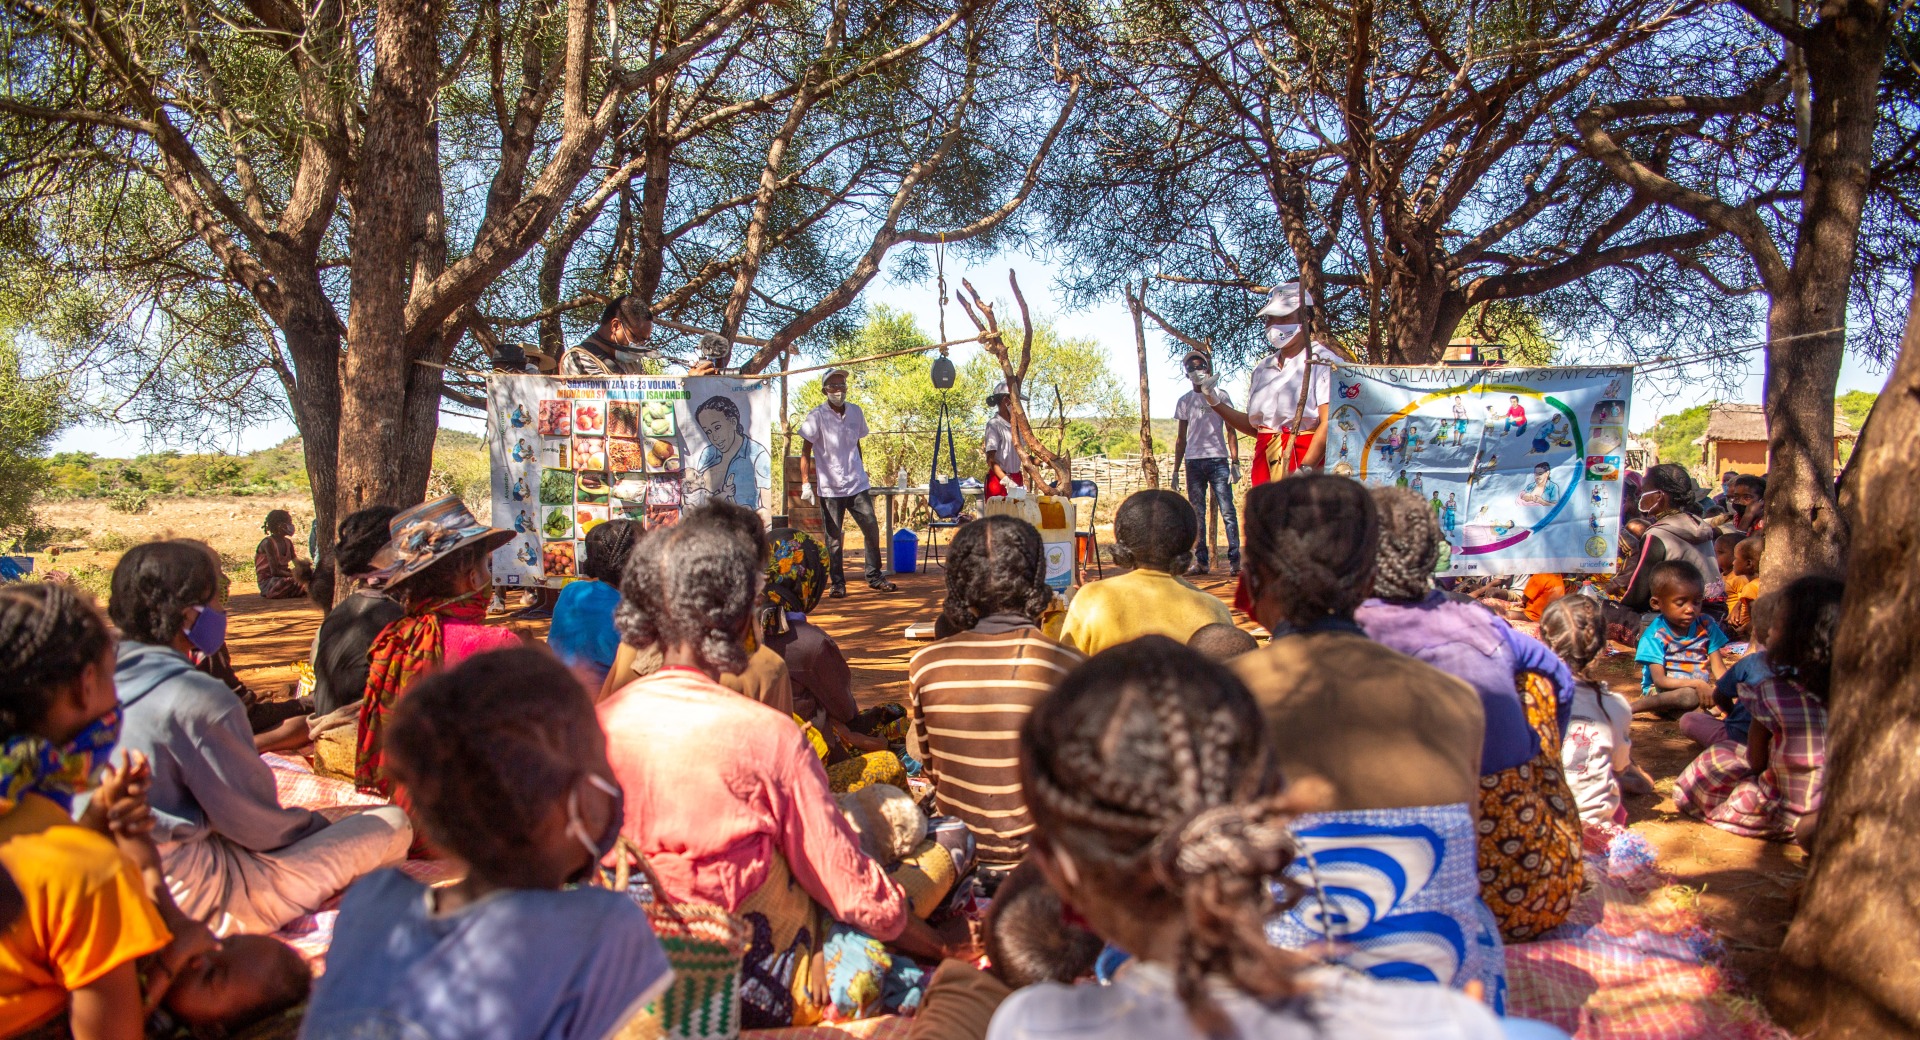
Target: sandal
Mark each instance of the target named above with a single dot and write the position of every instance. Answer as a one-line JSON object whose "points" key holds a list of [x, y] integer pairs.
{"points": [[883, 585]]}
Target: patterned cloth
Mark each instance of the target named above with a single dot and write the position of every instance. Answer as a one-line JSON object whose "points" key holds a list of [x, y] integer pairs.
{"points": [[867, 979], [796, 576], [1397, 891], [1720, 788], [400, 655], [878, 767], [56, 772], [1685, 657], [273, 569], [1530, 831]]}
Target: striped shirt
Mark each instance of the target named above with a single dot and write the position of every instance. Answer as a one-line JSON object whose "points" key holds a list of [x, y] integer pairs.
{"points": [[969, 694]]}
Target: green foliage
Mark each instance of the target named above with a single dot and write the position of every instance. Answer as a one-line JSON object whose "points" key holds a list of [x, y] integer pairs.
{"points": [[32, 411], [279, 470], [131, 501], [1675, 434], [1854, 406], [1517, 325], [460, 467]]}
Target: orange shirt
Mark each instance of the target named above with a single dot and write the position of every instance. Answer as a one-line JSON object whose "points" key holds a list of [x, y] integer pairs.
{"points": [[1740, 601], [1541, 591], [87, 912]]}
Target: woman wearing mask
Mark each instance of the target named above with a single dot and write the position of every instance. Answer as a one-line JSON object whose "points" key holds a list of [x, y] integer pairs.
{"points": [[1288, 395], [1669, 499], [234, 857]]}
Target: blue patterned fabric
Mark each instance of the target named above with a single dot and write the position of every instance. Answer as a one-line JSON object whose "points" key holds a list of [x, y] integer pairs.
{"points": [[1398, 892]]}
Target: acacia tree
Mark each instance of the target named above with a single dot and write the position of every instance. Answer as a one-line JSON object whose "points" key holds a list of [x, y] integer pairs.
{"points": [[1404, 157], [1786, 167]]}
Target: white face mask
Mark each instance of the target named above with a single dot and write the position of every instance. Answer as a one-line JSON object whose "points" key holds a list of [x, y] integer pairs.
{"points": [[1196, 376], [837, 398], [1278, 335]]}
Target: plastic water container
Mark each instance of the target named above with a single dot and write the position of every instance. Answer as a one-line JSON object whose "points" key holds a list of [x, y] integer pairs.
{"points": [[906, 551]]}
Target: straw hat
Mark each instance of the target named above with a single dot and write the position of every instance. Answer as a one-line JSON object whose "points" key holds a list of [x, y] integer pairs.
{"points": [[425, 534]]}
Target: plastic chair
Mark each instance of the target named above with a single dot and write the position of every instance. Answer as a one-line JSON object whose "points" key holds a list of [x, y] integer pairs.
{"points": [[1086, 489], [930, 549]]}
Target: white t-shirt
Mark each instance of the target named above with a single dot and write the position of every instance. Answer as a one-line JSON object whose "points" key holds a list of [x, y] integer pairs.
{"points": [[1273, 395], [838, 469], [1141, 1004], [1000, 443], [1599, 744], [1206, 431]]}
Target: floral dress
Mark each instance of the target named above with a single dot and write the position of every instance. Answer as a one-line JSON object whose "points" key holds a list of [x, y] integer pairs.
{"points": [[1530, 867]]}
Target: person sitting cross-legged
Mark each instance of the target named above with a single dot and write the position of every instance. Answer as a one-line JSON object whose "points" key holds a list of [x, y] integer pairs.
{"points": [[1155, 531]]}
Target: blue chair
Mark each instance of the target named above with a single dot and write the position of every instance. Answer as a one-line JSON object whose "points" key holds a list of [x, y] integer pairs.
{"points": [[1090, 491]]}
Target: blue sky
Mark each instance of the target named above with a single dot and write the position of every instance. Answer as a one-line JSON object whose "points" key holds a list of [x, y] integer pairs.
{"points": [[1110, 324]]}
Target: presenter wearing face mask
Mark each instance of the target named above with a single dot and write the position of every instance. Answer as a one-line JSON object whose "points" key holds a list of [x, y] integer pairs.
{"points": [[1283, 443], [833, 471], [1211, 450], [235, 858]]}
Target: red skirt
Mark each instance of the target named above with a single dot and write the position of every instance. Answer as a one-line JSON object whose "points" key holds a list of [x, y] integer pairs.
{"points": [[995, 489], [1296, 456]]}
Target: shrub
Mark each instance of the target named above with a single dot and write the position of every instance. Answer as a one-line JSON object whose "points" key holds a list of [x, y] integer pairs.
{"points": [[131, 501]]}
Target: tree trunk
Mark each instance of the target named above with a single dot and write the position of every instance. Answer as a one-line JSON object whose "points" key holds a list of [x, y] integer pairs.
{"points": [[1848, 960], [1845, 51], [1416, 302], [312, 335], [1149, 466], [385, 222]]}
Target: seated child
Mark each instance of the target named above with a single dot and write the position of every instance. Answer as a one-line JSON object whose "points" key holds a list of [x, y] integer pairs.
{"points": [[1155, 531], [1027, 943], [1772, 788], [1733, 691], [507, 768], [1222, 642], [1677, 650], [1743, 586], [1598, 748], [1723, 548], [582, 632], [276, 563]]}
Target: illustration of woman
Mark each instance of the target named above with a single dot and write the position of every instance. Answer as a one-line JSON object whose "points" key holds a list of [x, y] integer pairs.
{"points": [[522, 522], [732, 466], [1416, 485], [1450, 517], [1543, 491], [522, 451], [518, 492]]}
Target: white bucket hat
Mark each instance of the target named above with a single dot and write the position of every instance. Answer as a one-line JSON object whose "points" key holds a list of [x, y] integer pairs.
{"points": [[1284, 299]]}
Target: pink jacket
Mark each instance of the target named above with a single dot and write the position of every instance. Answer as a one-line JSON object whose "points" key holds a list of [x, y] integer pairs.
{"points": [[716, 784], [463, 639]]}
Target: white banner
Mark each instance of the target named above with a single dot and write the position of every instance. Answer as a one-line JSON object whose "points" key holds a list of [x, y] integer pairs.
{"points": [[1522, 466], [572, 452]]}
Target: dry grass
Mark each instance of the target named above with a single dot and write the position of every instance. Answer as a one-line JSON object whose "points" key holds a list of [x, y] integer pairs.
{"points": [[94, 534]]}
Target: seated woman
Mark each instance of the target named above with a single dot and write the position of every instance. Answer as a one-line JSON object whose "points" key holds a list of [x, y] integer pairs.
{"points": [[1153, 791], [969, 693], [822, 681], [1397, 739], [724, 797], [234, 857], [583, 634], [1530, 867], [277, 566], [507, 769], [340, 647], [439, 565]]}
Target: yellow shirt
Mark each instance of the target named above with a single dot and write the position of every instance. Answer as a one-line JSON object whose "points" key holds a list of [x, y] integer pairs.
{"points": [[87, 912], [1139, 603]]}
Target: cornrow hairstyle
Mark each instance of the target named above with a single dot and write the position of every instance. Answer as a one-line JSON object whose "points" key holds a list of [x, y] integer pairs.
{"points": [[1409, 544], [1575, 628], [1315, 540], [1026, 941], [49, 634], [694, 583], [608, 546], [1808, 617], [628, 308], [1155, 529], [995, 566], [485, 750], [156, 583], [1669, 574], [275, 516], [1150, 767], [362, 534]]}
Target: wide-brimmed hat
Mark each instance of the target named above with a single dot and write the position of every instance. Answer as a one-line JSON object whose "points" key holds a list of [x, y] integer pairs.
{"points": [[1284, 299], [425, 534]]}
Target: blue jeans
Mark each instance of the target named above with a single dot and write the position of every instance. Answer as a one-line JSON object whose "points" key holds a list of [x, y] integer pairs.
{"points": [[1218, 475]]}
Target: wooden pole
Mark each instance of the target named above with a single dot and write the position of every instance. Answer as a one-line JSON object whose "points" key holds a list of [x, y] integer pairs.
{"points": [[1149, 466]]}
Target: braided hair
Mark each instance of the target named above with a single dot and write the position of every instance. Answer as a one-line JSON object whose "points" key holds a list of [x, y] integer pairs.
{"points": [[1575, 628], [156, 583], [275, 517], [1409, 544], [1150, 767], [608, 546], [49, 634], [695, 583], [1156, 529], [485, 750], [994, 566], [1314, 540]]}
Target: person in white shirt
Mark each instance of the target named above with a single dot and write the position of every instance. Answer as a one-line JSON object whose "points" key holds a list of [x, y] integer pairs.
{"points": [[1002, 448], [1206, 444], [830, 461], [1274, 392]]}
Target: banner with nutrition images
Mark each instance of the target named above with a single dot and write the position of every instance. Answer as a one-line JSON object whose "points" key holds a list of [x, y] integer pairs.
{"points": [[571, 452], [1522, 466]]}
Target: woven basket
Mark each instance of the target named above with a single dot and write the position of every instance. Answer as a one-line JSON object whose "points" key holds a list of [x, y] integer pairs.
{"points": [[705, 944]]}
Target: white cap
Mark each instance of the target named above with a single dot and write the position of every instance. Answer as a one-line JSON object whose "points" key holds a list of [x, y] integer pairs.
{"points": [[999, 390], [1284, 299]]}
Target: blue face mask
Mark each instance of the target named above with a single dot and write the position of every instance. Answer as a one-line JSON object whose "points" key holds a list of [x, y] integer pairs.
{"points": [[208, 633]]}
